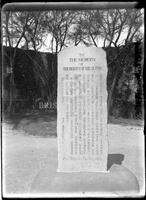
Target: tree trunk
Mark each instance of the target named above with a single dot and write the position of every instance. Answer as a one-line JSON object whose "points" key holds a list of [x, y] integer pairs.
{"points": [[112, 89], [12, 87], [110, 95]]}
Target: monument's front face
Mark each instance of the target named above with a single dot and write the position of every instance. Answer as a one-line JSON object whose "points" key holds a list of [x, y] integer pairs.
{"points": [[82, 110]]}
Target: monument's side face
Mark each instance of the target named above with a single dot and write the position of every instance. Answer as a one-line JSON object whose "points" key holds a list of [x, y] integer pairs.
{"points": [[82, 110]]}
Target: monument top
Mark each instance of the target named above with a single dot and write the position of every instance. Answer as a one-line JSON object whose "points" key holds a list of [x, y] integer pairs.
{"points": [[83, 54]]}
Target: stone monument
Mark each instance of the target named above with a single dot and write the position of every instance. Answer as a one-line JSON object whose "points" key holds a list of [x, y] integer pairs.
{"points": [[82, 133], [82, 110]]}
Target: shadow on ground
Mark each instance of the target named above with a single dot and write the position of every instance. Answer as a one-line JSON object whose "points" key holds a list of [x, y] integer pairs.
{"points": [[114, 159]]}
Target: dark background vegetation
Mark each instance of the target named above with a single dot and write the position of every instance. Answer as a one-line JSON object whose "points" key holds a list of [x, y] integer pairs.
{"points": [[30, 68], [29, 76]]}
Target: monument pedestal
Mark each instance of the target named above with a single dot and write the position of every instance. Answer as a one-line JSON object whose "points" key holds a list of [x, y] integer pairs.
{"points": [[118, 182]]}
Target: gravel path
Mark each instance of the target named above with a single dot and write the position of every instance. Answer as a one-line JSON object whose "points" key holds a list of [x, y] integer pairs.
{"points": [[24, 155]]}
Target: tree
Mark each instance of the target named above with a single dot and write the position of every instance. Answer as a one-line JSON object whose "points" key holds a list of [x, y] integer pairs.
{"points": [[115, 27], [57, 24], [13, 37], [21, 29], [129, 21], [25, 27], [86, 28]]}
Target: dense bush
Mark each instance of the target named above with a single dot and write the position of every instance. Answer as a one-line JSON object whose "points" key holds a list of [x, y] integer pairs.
{"points": [[35, 80]]}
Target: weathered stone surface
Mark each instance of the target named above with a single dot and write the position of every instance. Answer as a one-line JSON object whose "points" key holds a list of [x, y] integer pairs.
{"points": [[82, 110], [119, 181]]}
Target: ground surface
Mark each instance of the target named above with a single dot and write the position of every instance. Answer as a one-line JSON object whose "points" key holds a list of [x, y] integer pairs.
{"points": [[30, 145]]}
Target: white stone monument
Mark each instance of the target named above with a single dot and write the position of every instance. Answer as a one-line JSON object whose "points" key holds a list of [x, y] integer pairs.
{"points": [[82, 133], [82, 110]]}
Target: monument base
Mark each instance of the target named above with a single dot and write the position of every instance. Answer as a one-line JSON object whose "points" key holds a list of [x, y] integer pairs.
{"points": [[118, 182]]}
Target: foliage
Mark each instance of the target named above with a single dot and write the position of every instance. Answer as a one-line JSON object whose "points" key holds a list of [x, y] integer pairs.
{"points": [[23, 29], [35, 76], [64, 27], [32, 76], [114, 27], [127, 90], [57, 24]]}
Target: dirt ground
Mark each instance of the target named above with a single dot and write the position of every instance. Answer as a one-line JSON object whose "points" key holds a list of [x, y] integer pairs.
{"points": [[30, 145]]}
